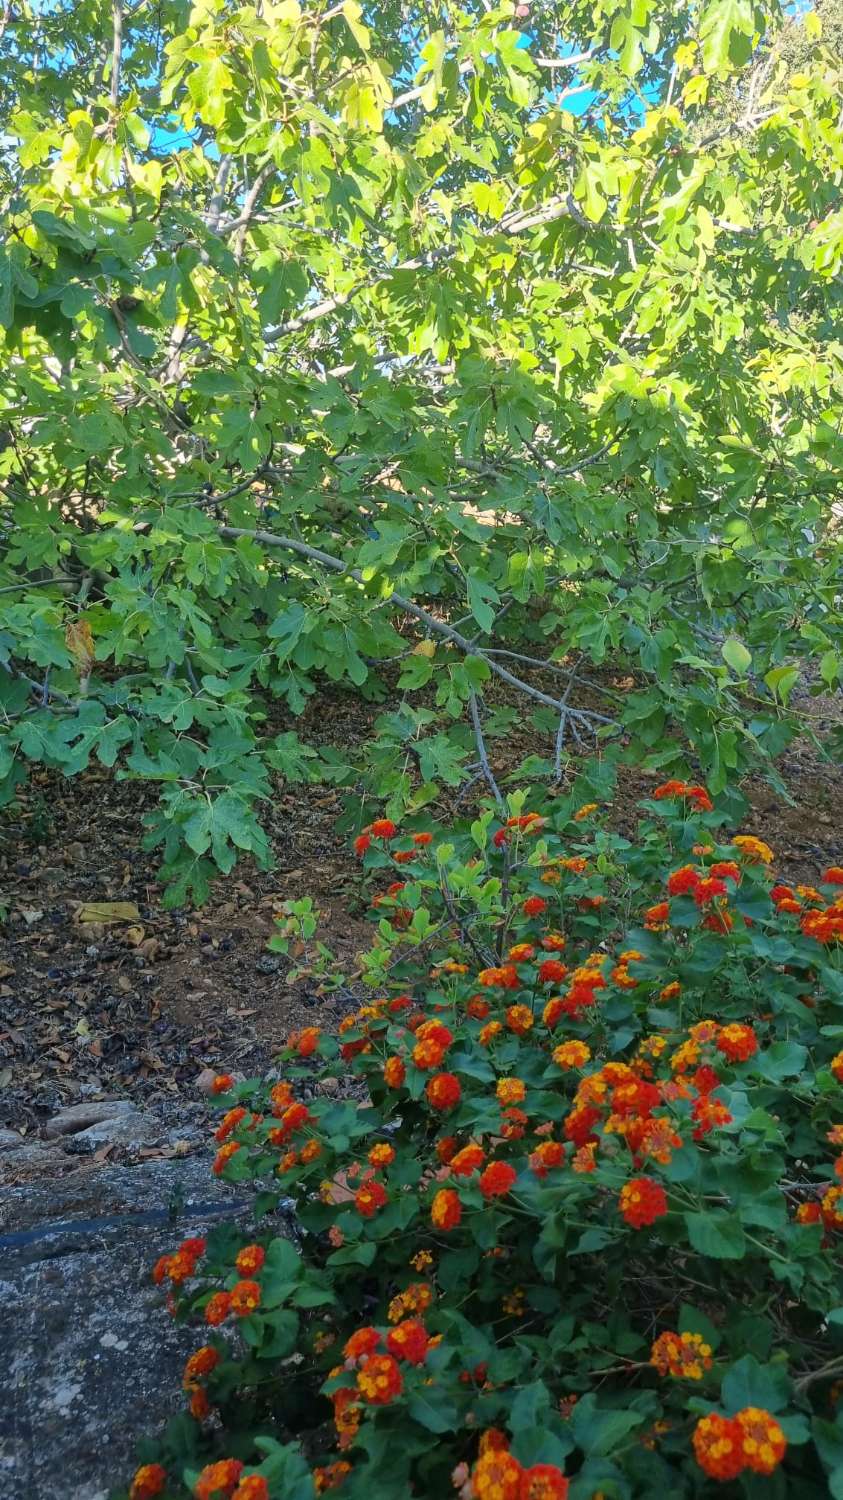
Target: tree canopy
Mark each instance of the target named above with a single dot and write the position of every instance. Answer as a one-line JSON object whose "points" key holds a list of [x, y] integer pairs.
{"points": [[412, 346]]}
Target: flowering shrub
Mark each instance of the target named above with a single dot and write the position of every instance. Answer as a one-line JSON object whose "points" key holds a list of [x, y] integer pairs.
{"points": [[577, 1230]]}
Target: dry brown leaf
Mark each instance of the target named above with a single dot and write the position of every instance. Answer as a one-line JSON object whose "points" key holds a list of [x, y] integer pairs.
{"points": [[107, 911], [6, 970], [133, 936], [80, 644]]}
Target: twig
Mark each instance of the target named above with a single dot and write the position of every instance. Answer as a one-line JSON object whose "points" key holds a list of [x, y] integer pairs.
{"points": [[218, 198], [481, 751], [825, 1372], [555, 666], [483, 954], [466, 788], [116, 52], [560, 735]]}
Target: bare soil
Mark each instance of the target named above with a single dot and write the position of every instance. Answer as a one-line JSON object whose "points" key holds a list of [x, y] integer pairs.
{"points": [[139, 1010]]}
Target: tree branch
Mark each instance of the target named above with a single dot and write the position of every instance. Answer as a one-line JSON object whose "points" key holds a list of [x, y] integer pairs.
{"points": [[116, 51], [437, 627], [249, 205], [215, 206], [481, 751]]}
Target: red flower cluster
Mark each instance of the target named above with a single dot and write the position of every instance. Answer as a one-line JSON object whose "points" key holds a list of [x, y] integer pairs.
{"points": [[379, 1379], [443, 1091], [642, 1201], [369, 1198], [497, 1179]]}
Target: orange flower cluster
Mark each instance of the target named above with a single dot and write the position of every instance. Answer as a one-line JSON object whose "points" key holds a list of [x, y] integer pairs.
{"points": [[697, 795], [330, 1476], [181, 1265], [685, 1356], [446, 1209], [250, 1259], [737, 1042], [252, 1487], [468, 1160], [245, 1298], [201, 1363], [379, 1379], [382, 828], [409, 1341], [754, 850], [571, 1055], [218, 1480], [347, 1414], [497, 1179], [534, 906], [504, 977], [304, 1042], [416, 1298], [526, 823], [149, 1481], [725, 1446], [497, 1475]]}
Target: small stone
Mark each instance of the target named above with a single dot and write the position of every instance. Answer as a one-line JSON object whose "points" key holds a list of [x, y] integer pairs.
{"points": [[78, 1117], [330, 1086], [10, 1140], [205, 1081], [268, 964], [131, 1129]]}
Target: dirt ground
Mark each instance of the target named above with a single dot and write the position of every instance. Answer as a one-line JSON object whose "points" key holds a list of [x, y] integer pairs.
{"points": [[138, 1010]]}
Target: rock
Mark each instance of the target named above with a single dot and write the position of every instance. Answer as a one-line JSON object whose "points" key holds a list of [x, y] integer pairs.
{"points": [[32, 1158], [205, 1081], [93, 1362], [130, 1128], [10, 1140], [268, 965], [78, 1117], [330, 1086]]}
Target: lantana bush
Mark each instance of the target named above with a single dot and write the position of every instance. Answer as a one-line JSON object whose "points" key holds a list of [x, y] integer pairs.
{"points": [[563, 1201]]}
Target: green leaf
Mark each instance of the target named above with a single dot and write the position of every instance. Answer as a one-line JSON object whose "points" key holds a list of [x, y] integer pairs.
{"points": [[433, 1409], [480, 592], [736, 656], [715, 1234], [726, 28], [599, 1432], [749, 1383]]}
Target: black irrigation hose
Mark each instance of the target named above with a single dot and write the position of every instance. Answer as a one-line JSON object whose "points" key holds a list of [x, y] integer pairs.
{"points": [[19, 1238]]}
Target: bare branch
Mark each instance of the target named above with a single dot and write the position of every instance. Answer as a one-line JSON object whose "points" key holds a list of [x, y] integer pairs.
{"points": [[116, 51], [481, 751], [214, 213], [249, 205]]}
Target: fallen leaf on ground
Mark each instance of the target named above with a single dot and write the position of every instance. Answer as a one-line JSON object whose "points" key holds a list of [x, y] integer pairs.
{"points": [[107, 911]]}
